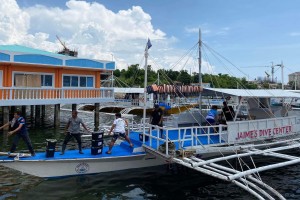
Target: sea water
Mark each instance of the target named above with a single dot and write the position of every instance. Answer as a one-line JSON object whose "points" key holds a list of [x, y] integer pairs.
{"points": [[162, 182]]}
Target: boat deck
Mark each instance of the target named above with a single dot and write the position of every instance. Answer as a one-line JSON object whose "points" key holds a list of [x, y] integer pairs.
{"points": [[123, 149]]}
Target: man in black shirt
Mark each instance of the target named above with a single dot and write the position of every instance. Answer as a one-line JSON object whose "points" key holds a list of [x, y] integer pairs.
{"points": [[228, 112], [157, 117]]}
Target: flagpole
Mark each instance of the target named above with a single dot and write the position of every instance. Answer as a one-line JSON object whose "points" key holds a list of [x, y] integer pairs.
{"points": [[200, 76], [145, 86]]}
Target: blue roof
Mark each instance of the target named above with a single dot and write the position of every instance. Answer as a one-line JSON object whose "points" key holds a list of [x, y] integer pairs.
{"points": [[31, 55], [23, 49]]}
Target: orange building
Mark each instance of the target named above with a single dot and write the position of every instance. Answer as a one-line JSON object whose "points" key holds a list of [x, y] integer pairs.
{"points": [[34, 77]]}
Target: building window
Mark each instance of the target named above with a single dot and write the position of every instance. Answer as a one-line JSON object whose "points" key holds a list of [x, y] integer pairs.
{"points": [[82, 81], [78, 81], [46, 80], [33, 80], [90, 82], [74, 81], [67, 81]]}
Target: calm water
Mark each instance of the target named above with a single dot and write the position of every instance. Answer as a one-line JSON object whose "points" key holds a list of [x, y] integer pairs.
{"points": [[163, 182]]}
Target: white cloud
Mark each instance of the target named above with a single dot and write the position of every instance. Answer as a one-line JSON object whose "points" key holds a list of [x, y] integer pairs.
{"points": [[93, 30], [14, 23], [90, 28]]}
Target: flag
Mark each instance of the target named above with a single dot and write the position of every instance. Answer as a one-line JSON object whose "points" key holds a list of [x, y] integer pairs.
{"points": [[149, 45]]}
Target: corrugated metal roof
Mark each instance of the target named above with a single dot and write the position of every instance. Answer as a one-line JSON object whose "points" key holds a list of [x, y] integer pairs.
{"points": [[28, 50], [263, 93]]}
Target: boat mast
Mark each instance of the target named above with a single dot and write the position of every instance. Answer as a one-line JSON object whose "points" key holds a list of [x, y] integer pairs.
{"points": [[145, 86], [200, 74]]}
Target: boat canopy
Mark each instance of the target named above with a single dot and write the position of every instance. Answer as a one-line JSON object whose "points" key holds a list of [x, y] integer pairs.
{"points": [[258, 93], [129, 90]]}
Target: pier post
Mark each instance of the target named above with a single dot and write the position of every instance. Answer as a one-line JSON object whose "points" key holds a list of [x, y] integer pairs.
{"points": [[43, 111], [12, 111], [5, 116], [96, 117], [5, 112], [24, 110], [38, 114], [74, 106], [31, 112], [56, 115]]}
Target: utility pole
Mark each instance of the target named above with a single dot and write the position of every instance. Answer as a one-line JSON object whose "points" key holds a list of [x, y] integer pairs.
{"points": [[282, 80], [272, 72]]}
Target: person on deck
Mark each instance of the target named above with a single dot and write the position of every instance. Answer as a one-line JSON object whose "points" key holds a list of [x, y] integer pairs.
{"points": [[228, 112], [73, 130], [212, 115], [18, 126], [119, 129], [157, 117]]}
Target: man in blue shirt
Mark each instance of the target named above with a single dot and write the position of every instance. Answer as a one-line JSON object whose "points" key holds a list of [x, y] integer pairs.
{"points": [[21, 132], [212, 115]]}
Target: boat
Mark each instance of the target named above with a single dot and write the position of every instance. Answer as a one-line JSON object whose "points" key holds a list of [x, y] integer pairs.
{"points": [[188, 140], [72, 163], [129, 100]]}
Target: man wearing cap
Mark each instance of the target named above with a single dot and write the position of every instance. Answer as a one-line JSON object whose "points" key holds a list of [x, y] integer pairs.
{"points": [[157, 117]]}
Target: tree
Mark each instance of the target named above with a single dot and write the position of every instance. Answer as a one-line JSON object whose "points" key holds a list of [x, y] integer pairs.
{"points": [[134, 76], [184, 77], [117, 73]]}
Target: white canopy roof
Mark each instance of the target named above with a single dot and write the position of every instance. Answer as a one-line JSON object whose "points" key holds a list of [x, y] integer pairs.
{"points": [[263, 93], [129, 90]]}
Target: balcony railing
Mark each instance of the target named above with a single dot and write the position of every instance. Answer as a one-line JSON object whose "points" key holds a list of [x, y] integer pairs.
{"points": [[40, 96]]}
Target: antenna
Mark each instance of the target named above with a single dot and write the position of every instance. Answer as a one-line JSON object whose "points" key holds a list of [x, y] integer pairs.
{"points": [[66, 50], [62, 43], [268, 75]]}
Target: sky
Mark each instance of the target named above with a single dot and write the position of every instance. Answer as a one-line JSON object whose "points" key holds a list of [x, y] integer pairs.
{"points": [[249, 34]]}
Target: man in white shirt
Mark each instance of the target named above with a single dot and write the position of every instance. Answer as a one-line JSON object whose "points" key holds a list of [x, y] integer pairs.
{"points": [[119, 130]]}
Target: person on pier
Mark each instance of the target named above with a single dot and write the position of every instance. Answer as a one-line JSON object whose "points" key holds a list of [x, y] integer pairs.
{"points": [[73, 130], [119, 128], [18, 127]]}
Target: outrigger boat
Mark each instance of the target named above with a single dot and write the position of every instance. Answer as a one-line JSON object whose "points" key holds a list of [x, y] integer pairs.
{"points": [[187, 140]]}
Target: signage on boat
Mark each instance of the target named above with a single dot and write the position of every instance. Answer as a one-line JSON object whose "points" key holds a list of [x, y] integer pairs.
{"points": [[82, 168], [265, 133]]}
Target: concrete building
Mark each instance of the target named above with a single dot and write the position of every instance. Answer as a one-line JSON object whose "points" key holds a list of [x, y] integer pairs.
{"points": [[295, 77]]}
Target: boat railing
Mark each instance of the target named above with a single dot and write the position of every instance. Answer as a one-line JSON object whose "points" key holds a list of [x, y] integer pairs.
{"points": [[261, 129], [184, 137], [24, 95]]}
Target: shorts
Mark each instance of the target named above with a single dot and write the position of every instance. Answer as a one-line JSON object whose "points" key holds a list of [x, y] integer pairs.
{"points": [[117, 134], [211, 121]]}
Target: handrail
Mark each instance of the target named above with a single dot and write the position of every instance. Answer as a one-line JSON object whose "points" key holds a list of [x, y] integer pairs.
{"points": [[195, 134], [9, 95]]}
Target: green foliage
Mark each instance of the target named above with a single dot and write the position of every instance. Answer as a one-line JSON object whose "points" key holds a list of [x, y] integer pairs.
{"points": [[134, 76]]}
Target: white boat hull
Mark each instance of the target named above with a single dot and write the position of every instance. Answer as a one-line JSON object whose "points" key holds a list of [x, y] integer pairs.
{"points": [[71, 167]]}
